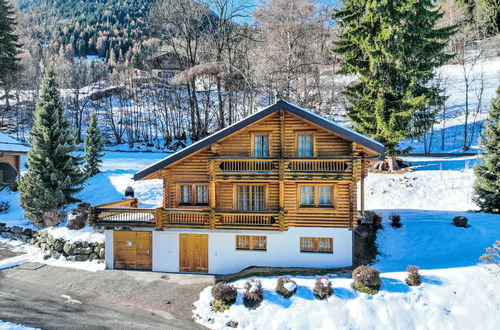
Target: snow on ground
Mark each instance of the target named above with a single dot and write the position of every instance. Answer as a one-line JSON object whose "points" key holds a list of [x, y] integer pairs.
{"points": [[34, 254], [12, 326], [458, 292]]}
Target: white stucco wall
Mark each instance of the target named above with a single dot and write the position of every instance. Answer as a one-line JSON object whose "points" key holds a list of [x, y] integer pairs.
{"points": [[108, 248], [283, 249]]}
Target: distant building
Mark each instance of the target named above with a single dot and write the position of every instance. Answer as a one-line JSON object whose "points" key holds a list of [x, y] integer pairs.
{"points": [[164, 64], [11, 151]]}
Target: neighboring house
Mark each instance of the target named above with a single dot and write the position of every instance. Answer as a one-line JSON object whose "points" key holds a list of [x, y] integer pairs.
{"points": [[278, 188], [11, 151]]}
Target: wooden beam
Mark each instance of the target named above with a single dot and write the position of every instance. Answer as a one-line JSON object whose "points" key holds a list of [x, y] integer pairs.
{"points": [[211, 194], [362, 188]]}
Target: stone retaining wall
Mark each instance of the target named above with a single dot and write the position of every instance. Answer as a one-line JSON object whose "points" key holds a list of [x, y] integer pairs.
{"points": [[55, 247]]}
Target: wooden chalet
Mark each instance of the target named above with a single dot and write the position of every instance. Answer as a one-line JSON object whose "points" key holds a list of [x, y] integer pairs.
{"points": [[278, 188], [11, 151]]}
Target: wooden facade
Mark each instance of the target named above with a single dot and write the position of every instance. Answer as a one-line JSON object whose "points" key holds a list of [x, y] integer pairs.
{"points": [[280, 170]]}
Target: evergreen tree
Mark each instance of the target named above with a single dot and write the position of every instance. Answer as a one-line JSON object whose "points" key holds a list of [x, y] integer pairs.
{"points": [[8, 43], [393, 47], [53, 174], [94, 146], [487, 184]]}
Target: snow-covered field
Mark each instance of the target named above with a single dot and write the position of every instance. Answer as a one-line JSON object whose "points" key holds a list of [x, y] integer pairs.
{"points": [[11, 326]]}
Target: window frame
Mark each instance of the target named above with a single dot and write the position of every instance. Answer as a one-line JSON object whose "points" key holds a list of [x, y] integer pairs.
{"points": [[316, 205], [250, 196], [194, 195], [251, 243], [316, 245], [253, 134], [312, 133]]}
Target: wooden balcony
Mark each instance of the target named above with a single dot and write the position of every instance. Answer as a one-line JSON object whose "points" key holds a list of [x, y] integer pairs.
{"points": [[109, 216], [339, 168]]}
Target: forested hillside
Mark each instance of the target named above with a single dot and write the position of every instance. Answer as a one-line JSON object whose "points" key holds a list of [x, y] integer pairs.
{"points": [[89, 27]]}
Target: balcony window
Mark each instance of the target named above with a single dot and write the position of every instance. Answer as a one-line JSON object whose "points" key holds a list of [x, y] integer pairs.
{"points": [[316, 195], [304, 145], [193, 194], [316, 244], [246, 242], [261, 145], [250, 197]]}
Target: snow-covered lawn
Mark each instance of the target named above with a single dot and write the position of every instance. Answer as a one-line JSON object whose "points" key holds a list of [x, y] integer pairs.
{"points": [[11, 326]]}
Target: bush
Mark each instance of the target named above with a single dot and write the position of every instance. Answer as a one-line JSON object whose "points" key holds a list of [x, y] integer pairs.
{"points": [[224, 296], [4, 206], [413, 278], [53, 217], [396, 221], [366, 279], [323, 288], [492, 254], [253, 297], [286, 287], [374, 218], [460, 221], [78, 217]]}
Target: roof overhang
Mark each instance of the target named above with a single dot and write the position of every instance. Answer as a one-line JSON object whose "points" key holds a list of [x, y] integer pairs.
{"points": [[327, 124]]}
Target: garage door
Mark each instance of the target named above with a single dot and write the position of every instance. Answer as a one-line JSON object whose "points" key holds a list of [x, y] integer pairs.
{"points": [[132, 250], [193, 253]]}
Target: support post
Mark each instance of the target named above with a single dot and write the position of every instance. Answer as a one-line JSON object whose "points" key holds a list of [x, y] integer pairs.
{"points": [[211, 194], [362, 189]]}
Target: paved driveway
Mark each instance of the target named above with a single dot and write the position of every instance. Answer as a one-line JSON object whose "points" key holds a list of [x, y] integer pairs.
{"points": [[49, 297]]}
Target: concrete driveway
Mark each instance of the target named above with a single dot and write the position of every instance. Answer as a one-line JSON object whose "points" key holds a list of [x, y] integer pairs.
{"points": [[47, 297]]}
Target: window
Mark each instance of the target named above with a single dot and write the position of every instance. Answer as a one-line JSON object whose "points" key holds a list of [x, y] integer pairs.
{"points": [[261, 145], [193, 194], [245, 242], [316, 195], [250, 197], [304, 145], [316, 244]]}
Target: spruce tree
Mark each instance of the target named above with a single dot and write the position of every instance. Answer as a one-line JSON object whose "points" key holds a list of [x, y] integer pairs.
{"points": [[487, 185], [94, 146], [54, 175], [392, 46], [9, 45]]}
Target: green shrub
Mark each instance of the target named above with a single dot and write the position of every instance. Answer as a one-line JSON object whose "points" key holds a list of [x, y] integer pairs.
{"points": [[253, 297], [396, 221], [286, 287], [460, 221], [366, 278], [323, 288], [413, 278], [219, 305]]}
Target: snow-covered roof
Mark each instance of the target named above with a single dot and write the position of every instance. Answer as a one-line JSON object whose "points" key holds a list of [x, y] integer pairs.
{"points": [[325, 123], [10, 145]]}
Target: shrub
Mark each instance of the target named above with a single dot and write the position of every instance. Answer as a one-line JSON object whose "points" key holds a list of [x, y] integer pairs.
{"points": [[323, 288], [413, 278], [366, 279], [396, 221], [492, 254], [460, 221], [4, 206], [224, 296], [78, 217], [253, 297], [53, 217], [286, 287], [374, 218]]}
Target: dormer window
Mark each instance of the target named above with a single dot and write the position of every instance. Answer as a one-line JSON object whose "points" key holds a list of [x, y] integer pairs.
{"points": [[260, 144]]}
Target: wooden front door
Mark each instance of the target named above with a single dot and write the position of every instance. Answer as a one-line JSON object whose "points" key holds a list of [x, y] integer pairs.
{"points": [[193, 253], [132, 250]]}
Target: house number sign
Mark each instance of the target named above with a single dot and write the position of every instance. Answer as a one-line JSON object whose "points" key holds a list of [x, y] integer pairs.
{"points": [[128, 243]]}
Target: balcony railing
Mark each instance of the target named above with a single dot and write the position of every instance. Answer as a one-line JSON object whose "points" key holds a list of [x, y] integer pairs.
{"points": [[169, 218]]}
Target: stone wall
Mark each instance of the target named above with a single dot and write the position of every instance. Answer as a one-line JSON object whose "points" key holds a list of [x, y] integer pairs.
{"points": [[55, 247]]}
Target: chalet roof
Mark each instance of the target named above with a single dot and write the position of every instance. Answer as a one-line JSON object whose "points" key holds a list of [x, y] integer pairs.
{"points": [[280, 105], [10, 145]]}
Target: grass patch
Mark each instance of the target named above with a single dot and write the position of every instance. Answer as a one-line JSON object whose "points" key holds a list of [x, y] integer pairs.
{"points": [[364, 289]]}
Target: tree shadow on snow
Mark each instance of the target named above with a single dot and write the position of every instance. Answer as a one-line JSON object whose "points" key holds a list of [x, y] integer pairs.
{"points": [[275, 298], [393, 285], [344, 293], [431, 280]]}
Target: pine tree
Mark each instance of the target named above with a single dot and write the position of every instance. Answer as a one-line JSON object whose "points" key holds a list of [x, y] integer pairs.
{"points": [[9, 45], [94, 146], [393, 47], [53, 174], [487, 185]]}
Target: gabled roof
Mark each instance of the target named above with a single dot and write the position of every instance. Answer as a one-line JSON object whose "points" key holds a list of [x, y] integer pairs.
{"points": [[327, 124], [10, 145]]}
